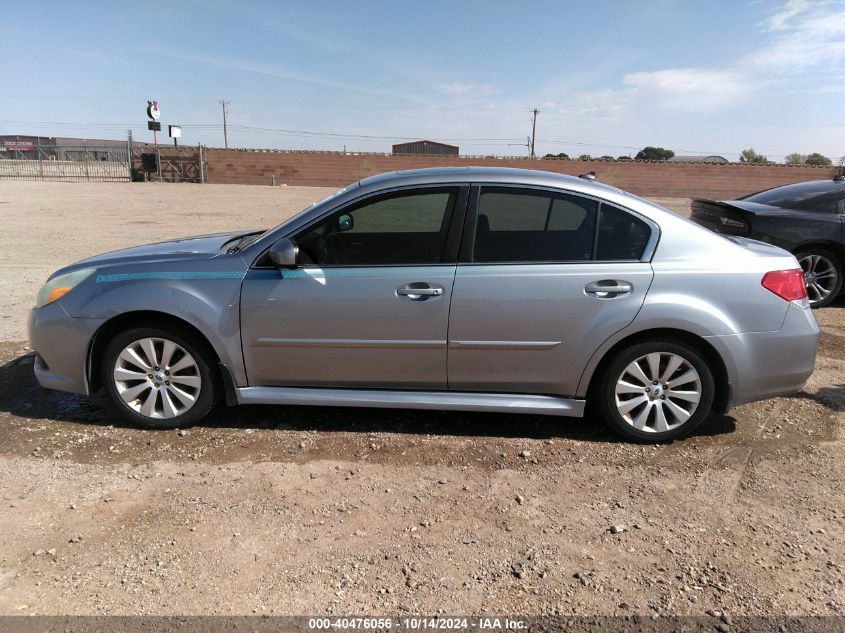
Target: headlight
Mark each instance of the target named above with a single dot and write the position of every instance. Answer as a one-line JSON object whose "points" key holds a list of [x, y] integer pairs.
{"points": [[59, 286]]}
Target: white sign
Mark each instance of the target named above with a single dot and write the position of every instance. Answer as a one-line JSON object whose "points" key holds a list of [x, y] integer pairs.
{"points": [[175, 131], [152, 110]]}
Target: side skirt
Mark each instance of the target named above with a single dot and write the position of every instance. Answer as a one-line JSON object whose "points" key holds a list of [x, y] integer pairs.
{"points": [[446, 400]]}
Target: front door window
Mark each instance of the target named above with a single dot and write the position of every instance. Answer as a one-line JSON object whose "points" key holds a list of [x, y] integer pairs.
{"points": [[396, 229]]}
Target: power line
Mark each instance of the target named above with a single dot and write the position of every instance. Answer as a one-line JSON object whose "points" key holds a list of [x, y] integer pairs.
{"points": [[338, 135]]}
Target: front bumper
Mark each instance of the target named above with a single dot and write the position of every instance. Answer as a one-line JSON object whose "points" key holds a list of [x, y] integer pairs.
{"points": [[61, 345], [763, 365]]}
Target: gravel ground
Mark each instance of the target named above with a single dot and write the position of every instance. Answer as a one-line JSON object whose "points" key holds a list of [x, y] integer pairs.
{"points": [[286, 510]]}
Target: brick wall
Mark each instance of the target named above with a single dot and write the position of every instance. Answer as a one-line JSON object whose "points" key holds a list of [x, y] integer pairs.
{"points": [[654, 179]]}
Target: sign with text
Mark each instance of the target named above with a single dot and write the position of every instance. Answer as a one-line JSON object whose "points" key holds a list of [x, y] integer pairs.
{"points": [[19, 146]]}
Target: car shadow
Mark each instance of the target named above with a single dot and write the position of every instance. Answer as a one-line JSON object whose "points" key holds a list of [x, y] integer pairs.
{"points": [[21, 396], [832, 397]]}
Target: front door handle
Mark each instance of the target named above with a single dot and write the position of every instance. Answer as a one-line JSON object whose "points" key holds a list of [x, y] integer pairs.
{"points": [[608, 288], [419, 291]]}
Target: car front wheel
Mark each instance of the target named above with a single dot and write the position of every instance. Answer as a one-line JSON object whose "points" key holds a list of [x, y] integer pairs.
{"points": [[158, 379], [822, 274], [656, 391]]}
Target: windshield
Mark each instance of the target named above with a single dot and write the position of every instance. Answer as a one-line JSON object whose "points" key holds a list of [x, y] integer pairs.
{"points": [[248, 240]]}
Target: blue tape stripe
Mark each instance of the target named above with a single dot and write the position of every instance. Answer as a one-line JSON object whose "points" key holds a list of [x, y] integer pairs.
{"points": [[345, 273], [222, 274]]}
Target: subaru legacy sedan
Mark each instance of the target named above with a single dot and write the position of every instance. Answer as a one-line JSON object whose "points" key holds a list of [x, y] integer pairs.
{"points": [[469, 289]]}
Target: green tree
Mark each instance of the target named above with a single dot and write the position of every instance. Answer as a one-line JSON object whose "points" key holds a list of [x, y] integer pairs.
{"points": [[751, 156], [795, 158], [560, 156], [817, 159], [606, 157], [623, 158], [654, 153], [585, 157]]}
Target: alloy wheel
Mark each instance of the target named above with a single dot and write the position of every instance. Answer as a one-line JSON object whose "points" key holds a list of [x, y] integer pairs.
{"points": [[658, 392], [820, 275], [157, 378]]}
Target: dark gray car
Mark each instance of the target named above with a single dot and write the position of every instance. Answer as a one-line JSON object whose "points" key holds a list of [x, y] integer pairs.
{"points": [[467, 289], [805, 218]]}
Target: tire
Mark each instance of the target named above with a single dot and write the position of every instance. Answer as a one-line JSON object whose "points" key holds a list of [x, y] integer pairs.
{"points": [[182, 398], [826, 271], [642, 422]]}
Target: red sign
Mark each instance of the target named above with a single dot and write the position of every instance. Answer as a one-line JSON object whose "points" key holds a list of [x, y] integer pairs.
{"points": [[19, 146]]}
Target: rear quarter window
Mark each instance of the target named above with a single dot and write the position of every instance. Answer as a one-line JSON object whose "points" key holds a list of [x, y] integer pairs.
{"points": [[621, 235]]}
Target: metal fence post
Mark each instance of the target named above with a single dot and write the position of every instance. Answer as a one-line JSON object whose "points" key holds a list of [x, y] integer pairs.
{"points": [[158, 161], [202, 167], [129, 160]]}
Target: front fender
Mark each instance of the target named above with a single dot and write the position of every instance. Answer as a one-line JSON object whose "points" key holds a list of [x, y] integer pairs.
{"points": [[209, 303]]}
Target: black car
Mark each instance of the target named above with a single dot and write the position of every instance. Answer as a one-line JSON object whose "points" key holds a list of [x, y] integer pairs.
{"points": [[807, 219]]}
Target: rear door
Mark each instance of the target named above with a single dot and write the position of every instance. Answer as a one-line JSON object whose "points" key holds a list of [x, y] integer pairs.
{"points": [[369, 305], [543, 279]]}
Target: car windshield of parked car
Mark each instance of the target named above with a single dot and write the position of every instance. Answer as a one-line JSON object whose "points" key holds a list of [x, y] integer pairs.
{"points": [[251, 238], [822, 196]]}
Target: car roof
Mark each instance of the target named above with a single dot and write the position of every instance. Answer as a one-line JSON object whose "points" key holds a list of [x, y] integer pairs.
{"points": [[799, 188], [503, 175], [507, 176]]}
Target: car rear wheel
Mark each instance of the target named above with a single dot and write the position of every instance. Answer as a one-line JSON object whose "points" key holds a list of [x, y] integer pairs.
{"points": [[158, 379], [656, 391], [822, 274]]}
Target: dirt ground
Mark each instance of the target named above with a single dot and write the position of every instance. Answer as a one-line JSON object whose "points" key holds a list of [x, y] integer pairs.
{"points": [[286, 510]]}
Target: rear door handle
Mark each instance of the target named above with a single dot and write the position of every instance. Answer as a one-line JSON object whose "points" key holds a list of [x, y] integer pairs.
{"points": [[419, 291], [608, 288]]}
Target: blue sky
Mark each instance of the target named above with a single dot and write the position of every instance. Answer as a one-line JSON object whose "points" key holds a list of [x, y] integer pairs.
{"points": [[608, 76]]}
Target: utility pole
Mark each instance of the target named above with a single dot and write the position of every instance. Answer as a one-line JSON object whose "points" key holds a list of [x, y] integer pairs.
{"points": [[224, 103], [534, 131]]}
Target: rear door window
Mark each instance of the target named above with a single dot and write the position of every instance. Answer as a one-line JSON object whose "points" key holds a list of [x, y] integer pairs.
{"points": [[525, 225]]}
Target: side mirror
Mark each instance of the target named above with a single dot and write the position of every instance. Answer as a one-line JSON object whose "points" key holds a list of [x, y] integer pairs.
{"points": [[345, 222], [285, 253]]}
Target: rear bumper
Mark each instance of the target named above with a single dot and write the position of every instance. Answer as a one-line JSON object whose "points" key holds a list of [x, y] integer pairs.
{"points": [[763, 365], [61, 345]]}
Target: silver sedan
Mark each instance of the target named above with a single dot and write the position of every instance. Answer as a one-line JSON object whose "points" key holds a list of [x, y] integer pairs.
{"points": [[466, 289]]}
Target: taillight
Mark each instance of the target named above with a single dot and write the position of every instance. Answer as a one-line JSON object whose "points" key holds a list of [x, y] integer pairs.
{"points": [[740, 227], [722, 223], [786, 284]]}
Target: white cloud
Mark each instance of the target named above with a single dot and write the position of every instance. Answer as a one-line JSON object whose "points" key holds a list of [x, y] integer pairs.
{"points": [[460, 89], [792, 8], [807, 35], [804, 35], [691, 88], [278, 72]]}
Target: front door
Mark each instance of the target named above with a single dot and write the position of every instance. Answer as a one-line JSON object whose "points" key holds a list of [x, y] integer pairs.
{"points": [[545, 278], [369, 305]]}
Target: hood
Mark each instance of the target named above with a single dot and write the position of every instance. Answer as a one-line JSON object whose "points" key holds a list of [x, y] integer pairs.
{"points": [[186, 248]]}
